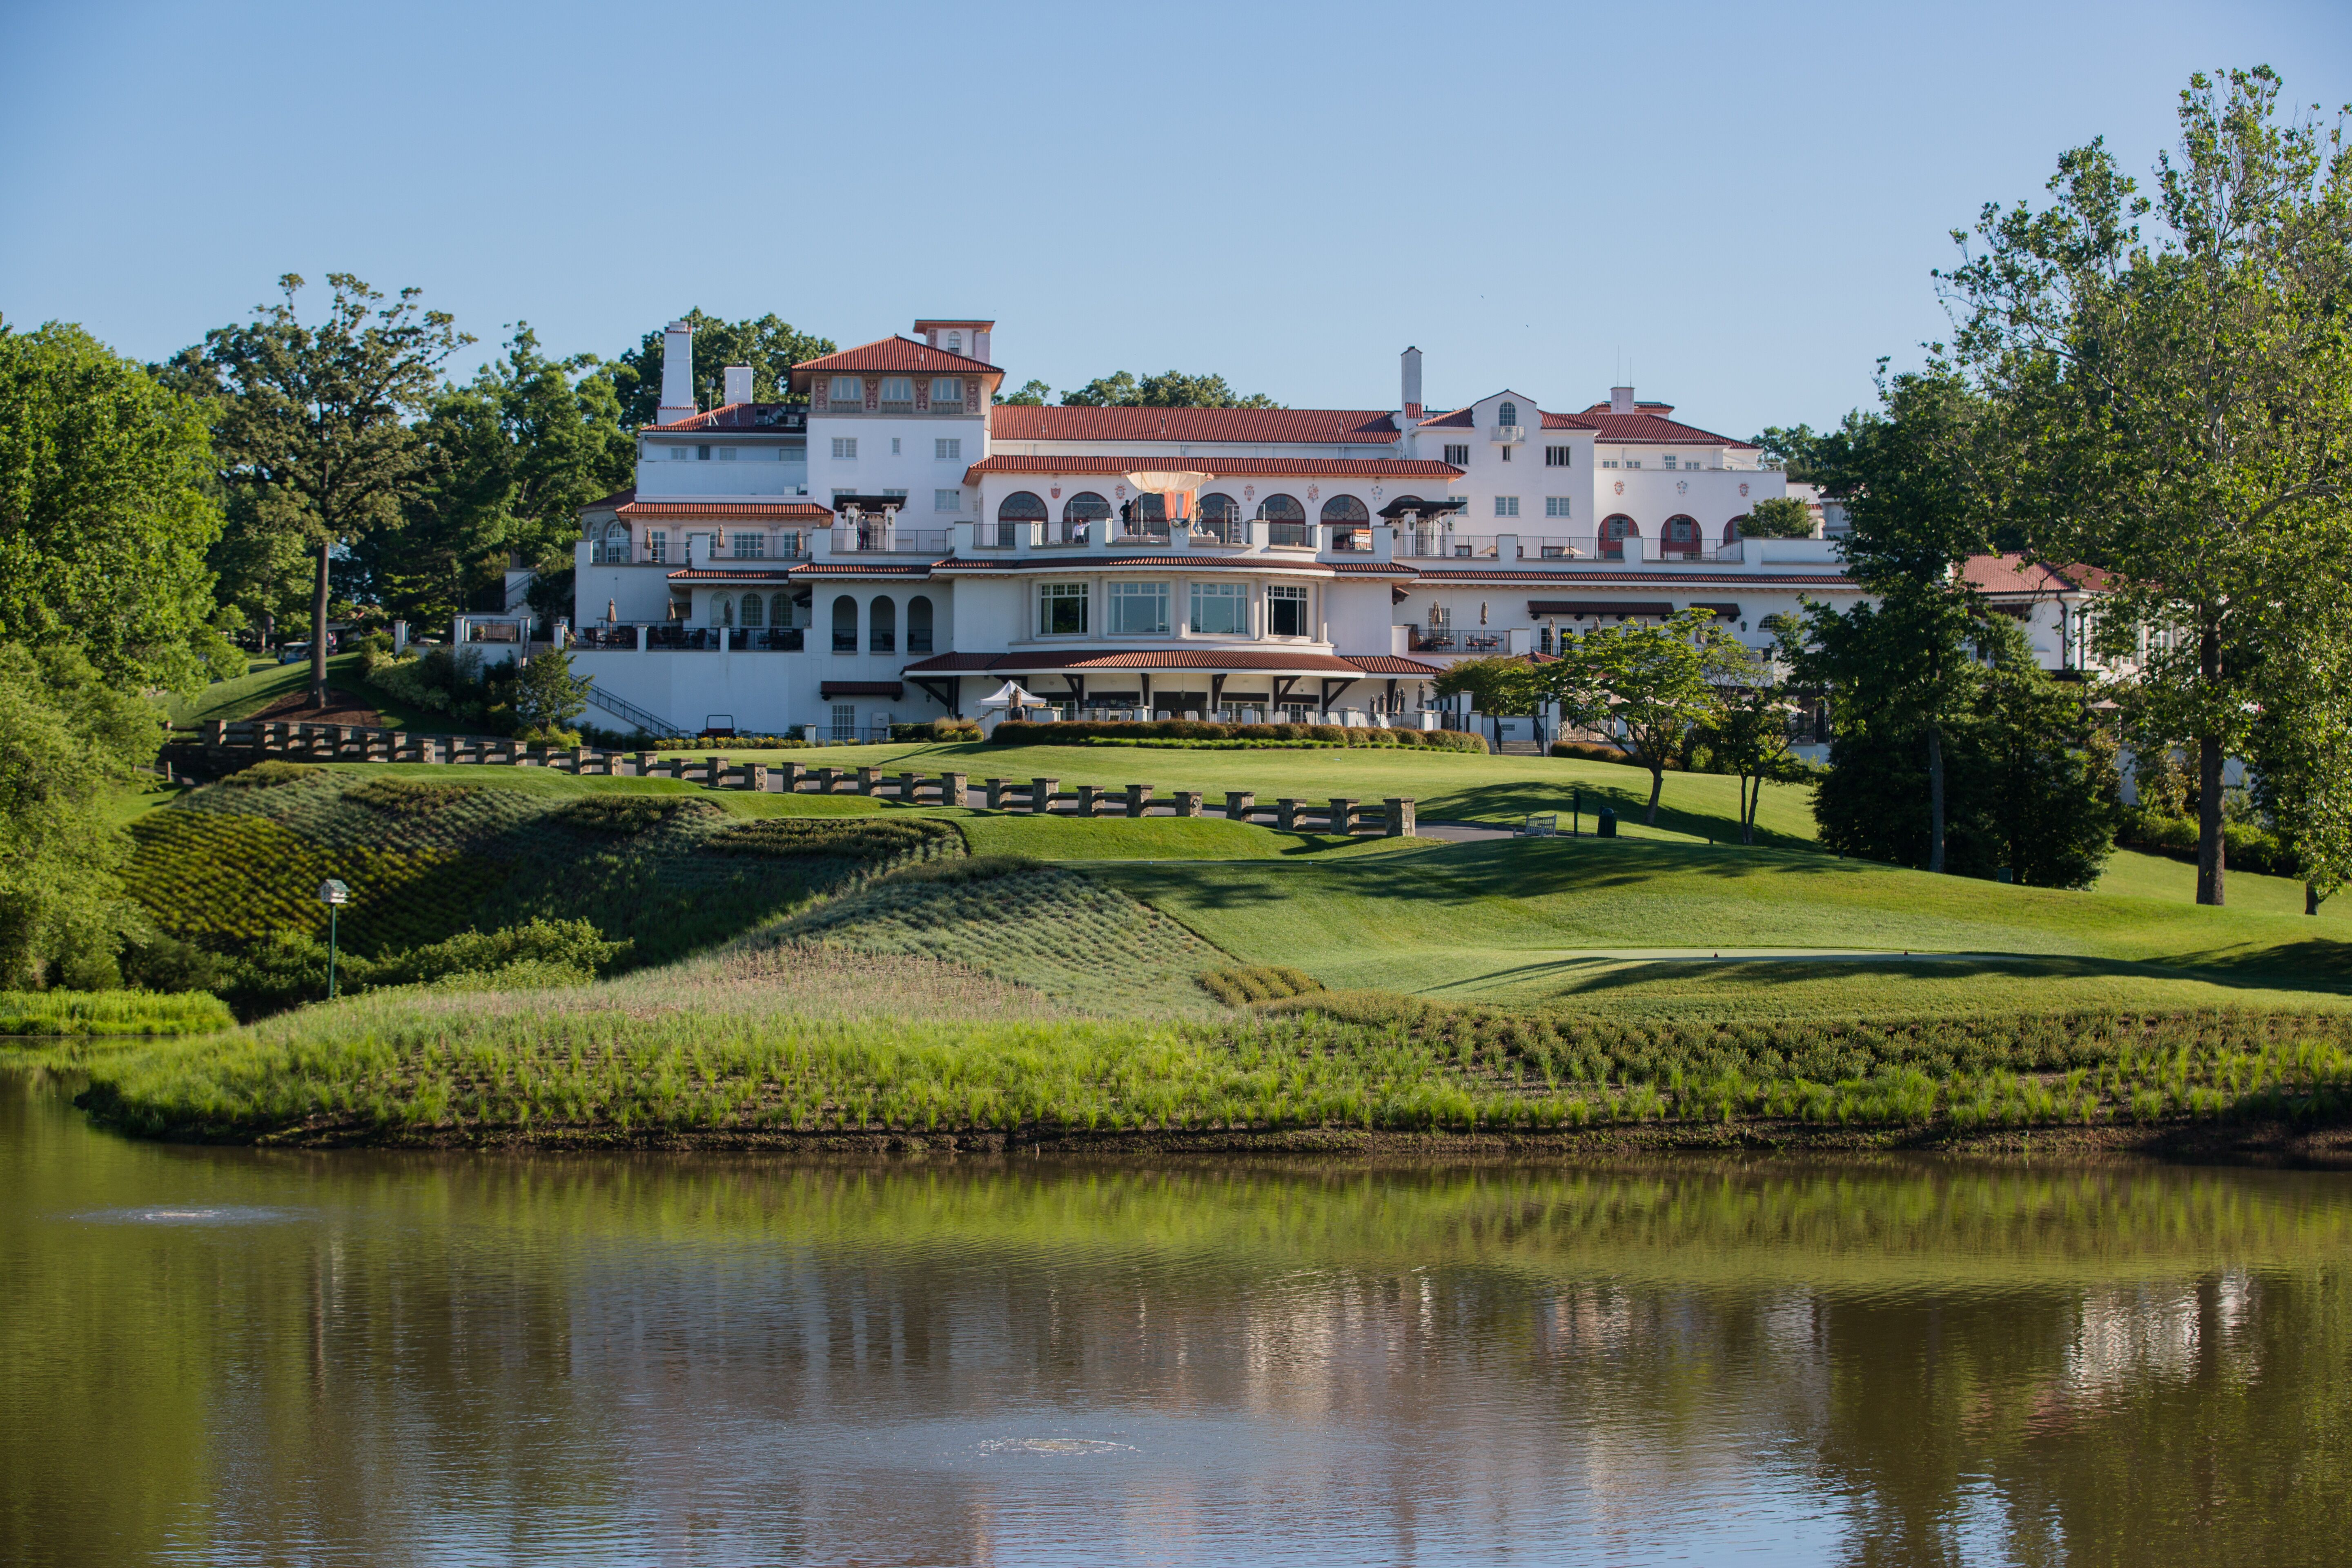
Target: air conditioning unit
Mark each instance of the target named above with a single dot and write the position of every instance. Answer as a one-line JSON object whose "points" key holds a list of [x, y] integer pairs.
{"points": [[1510, 434]]}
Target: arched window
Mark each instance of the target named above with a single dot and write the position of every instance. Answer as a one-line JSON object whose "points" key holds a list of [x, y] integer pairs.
{"points": [[1220, 516], [882, 624], [1731, 531], [1285, 519], [1147, 513], [918, 625], [722, 609], [1345, 509], [844, 624], [616, 543], [1680, 537], [955, 342], [1081, 513], [1015, 512], [1506, 413], [753, 611], [1614, 531]]}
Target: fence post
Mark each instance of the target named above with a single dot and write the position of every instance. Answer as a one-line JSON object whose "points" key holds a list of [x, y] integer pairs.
{"points": [[907, 793], [996, 788], [1400, 822], [825, 779], [866, 779], [792, 774], [951, 789], [1138, 796], [1239, 803], [1188, 803], [1285, 814], [1041, 795], [1343, 815]]}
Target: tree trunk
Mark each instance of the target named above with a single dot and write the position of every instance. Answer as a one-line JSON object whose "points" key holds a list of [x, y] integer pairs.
{"points": [[2211, 851], [1935, 798], [1657, 783], [319, 629], [268, 631], [2311, 898], [1748, 807]]}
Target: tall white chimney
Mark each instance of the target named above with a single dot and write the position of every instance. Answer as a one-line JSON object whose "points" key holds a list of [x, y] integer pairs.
{"points": [[738, 384], [678, 374], [1411, 384], [1620, 400]]}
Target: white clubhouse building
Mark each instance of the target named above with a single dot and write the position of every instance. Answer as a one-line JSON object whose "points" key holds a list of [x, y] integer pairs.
{"points": [[902, 546]]}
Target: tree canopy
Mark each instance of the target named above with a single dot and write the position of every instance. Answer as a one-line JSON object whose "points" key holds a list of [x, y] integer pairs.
{"points": [[1169, 389], [1657, 682], [770, 345]]}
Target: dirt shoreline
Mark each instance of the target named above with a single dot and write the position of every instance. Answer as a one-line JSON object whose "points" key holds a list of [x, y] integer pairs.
{"points": [[2278, 1143]]}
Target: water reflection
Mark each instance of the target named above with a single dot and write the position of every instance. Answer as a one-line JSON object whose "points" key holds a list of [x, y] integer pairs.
{"points": [[224, 1355]]}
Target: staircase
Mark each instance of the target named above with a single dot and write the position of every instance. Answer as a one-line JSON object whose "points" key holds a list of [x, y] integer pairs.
{"points": [[646, 722], [1520, 749]]}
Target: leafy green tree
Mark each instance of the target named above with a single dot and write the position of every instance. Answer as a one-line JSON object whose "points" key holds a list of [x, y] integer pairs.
{"points": [[105, 514], [2302, 745], [1032, 394], [770, 345], [2181, 401], [547, 696], [68, 734], [1658, 681], [1748, 731], [1169, 389], [314, 422], [1778, 517], [1786, 447], [1504, 687], [1915, 479]]}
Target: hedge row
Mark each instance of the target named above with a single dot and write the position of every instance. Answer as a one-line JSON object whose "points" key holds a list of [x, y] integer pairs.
{"points": [[1024, 733], [2249, 849]]}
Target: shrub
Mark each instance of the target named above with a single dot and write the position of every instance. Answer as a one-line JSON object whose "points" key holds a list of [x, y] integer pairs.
{"points": [[1241, 985], [272, 773], [160, 962], [621, 816], [572, 948], [1023, 732], [1591, 752], [2249, 846], [408, 797], [837, 837], [942, 728]]}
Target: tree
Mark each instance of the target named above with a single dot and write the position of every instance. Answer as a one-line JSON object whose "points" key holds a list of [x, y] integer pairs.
{"points": [[104, 514], [315, 424], [1784, 448], [1748, 731], [1657, 682], [1778, 517], [68, 734], [1506, 686], [2040, 786], [1032, 394], [1915, 481], [1169, 389], [547, 696], [2180, 401], [2302, 745], [513, 457], [770, 346]]}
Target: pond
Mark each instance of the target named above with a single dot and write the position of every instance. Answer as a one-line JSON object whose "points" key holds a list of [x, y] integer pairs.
{"points": [[228, 1355]]}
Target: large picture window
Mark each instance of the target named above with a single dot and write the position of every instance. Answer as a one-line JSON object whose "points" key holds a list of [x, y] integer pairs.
{"points": [[1061, 609], [1138, 610], [1285, 611], [1286, 520], [1221, 609]]}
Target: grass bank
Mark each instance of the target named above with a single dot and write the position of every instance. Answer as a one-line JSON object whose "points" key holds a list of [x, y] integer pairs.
{"points": [[111, 1012]]}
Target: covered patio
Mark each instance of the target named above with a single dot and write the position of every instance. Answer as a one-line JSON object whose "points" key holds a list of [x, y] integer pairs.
{"points": [[1181, 682]]}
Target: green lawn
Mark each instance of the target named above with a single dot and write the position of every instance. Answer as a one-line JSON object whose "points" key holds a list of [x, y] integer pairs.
{"points": [[2156, 877], [1147, 838], [263, 684], [1636, 923], [1447, 786]]}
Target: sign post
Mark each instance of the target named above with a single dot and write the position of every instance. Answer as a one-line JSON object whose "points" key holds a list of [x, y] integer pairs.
{"points": [[334, 895]]}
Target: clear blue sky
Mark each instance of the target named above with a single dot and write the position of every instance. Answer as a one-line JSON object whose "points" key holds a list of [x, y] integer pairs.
{"points": [[1739, 203]]}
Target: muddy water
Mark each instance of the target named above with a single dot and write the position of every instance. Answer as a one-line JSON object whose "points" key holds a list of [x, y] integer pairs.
{"points": [[215, 1355]]}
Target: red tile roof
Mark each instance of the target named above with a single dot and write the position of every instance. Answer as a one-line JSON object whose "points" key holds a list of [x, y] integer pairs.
{"points": [[1389, 664], [730, 511], [758, 418], [891, 689], [1580, 578], [775, 573], [617, 499], [1222, 467], [1648, 424], [1172, 658], [1082, 560], [893, 353], [2002, 575], [1324, 426], [1458, 420]]}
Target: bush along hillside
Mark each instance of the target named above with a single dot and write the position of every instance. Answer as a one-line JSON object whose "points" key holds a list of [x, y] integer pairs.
{"points": [[1146, 732], [235, 868]]}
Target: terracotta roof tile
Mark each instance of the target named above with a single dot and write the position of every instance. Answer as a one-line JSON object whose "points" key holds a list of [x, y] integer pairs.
{"points": [[892, 353], [616, 500], [1321, 425], [1222, 467], [2013, 573], [757, 418], [730, 511], [1173, 659]]}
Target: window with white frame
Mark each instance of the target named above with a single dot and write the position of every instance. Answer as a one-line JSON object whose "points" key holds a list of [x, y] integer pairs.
{"points": [[1459, 456], [946, 391], [897, 390], [1670, 459], [749, 546], [844, 722], [893, 445], [1607, 462], [1556, 506], [677, 454], [947, 500], [1138, 610], [1506, 506], [657, 544], [849, 389], [844, 448], [1558, 457], [1633, 462], [1061, 609], [1285, 611], [948, 449], [955, 342], [1221, 609], [726, 454]]}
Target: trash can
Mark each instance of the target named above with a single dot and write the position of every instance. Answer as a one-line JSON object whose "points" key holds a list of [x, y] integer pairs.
{"points": [[1604, 824]]}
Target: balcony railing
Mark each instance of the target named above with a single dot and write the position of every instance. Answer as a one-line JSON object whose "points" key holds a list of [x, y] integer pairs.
{"points": [[1445, 639], [889, 539]]}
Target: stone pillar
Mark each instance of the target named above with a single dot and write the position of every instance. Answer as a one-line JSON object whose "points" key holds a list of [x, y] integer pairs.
{"points": [[1343, 813], [1138, 796], [867, 778], [1088, 798], [1285, 814], [790, 773], [1239, 803], [825, 779], [996, 788], [1399, 820], [908, 790], [1188, 803], [1040, 794], [951, 789]]}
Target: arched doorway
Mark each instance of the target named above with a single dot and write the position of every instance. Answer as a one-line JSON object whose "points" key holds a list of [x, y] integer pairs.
{"points": [[882, 624], [1680, 538], [1018, 510], [918, 623], [1614, 531], [1285, 519], [844, 624]]}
